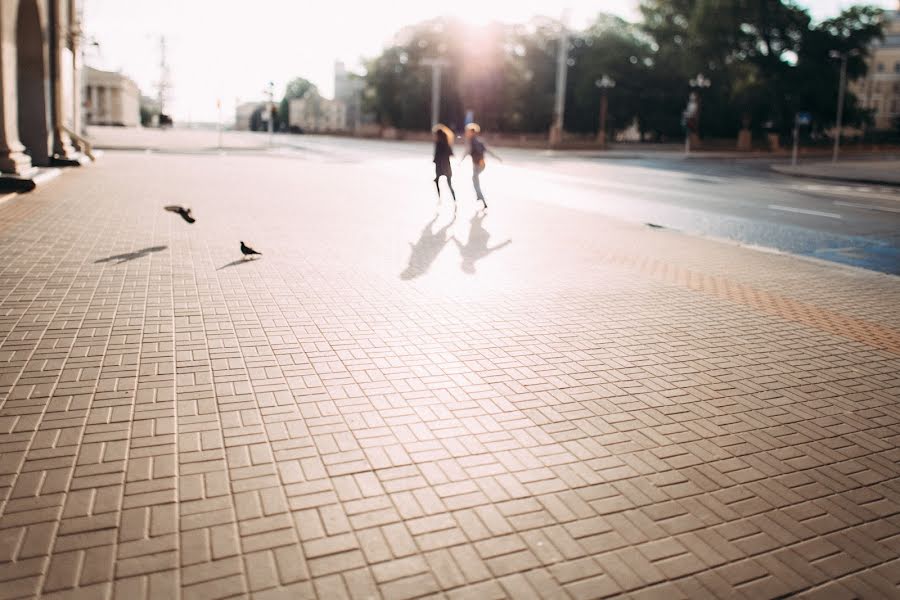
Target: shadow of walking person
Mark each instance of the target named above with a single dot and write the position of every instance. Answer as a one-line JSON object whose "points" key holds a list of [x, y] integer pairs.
{"points": [[120, 258], [426, 249], [476, 247]]}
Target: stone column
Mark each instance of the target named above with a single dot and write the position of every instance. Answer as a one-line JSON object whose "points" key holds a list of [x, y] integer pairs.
{"points": [[78, 84], [13, 159], [107, 104], [62, 69], [93, 98]]}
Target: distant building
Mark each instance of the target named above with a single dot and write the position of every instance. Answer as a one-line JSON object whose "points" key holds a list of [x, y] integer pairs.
{"points": [[313, 113], [880, 89], [243, 115], [348, 88], [111, 99]]}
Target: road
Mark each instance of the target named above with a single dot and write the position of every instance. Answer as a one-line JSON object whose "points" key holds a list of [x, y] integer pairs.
{"points": [[738, 200]]}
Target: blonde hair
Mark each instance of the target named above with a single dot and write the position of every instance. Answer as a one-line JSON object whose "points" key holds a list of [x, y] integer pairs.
{"points": [[473, 127], [448, 133]]}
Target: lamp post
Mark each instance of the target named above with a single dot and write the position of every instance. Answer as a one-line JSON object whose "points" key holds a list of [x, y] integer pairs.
{"points": [[436, 65], [692, 112], [605, 83], [841, 90], [562, 66], [270, 92]]}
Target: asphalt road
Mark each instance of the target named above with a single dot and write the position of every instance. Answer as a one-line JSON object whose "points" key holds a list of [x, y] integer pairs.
{"points": [[738, 200]]}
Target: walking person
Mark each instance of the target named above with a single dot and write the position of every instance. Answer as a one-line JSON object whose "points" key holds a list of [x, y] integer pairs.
{"points": [[476, 148], [443, 150]]}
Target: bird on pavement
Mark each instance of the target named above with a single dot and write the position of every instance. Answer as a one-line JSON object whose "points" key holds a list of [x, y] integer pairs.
{"points": [[184, 212], [248, 251]]}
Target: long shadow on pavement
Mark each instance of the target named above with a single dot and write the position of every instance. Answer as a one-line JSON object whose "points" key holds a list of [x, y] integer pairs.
{"points": [[234, 263], [476, 247], [426, 249], [121, 258]]}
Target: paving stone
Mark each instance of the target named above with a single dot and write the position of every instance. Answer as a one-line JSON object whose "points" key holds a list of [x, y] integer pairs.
{"points": [[598, 410]]}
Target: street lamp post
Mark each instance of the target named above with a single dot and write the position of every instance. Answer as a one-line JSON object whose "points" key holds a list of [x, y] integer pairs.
{"points": [[270, 91], [436, 65], [692, 112], [562, 66], [219, 122], [841, 90], [605, 83]]}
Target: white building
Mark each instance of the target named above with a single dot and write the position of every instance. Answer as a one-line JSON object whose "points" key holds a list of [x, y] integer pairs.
{"points": [[111, 99], [348, 88], [243, 113], [313, 113]]}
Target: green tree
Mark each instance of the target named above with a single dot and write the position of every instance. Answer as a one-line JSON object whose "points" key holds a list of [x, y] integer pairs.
{"points": [[765, 58], [504, 73], [296, 88], [815, 87]]}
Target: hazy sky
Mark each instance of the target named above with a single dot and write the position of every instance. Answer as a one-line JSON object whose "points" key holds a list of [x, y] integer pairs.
{"points": [[230, 50]]}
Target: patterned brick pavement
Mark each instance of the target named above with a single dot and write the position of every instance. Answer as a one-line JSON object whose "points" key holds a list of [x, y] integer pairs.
{"points": [[396, 404]]}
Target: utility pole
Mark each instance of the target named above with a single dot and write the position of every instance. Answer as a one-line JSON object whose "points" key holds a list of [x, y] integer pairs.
{"points": [[840, 107], [164, 84], [436, 64], [562, 67]]}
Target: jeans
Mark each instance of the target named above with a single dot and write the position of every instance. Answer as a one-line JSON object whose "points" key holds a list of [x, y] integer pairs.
{"points": [[476, 171]]}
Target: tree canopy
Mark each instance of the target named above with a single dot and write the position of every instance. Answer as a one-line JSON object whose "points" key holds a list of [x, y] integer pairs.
{"points": [[766, 60], [297, 87]]}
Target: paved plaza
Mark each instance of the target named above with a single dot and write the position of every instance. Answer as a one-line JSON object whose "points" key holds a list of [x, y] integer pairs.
{"points": [[399, 400]]}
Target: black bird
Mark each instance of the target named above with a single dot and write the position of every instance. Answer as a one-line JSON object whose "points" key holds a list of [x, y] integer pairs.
{"points": [[248, 251], [184, 212]]}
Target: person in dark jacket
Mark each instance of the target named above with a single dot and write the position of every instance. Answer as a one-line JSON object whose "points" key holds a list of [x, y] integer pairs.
{"points": [[476, 149], [443, 150]]}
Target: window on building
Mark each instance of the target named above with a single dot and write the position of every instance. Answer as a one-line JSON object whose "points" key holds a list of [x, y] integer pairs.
{"points": [[897, 67], [880, 67]]}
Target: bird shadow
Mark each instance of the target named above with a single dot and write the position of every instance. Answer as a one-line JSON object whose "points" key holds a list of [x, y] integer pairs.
{"points": [[121, 258], [234, 263], [476, 246], [426, 249]]}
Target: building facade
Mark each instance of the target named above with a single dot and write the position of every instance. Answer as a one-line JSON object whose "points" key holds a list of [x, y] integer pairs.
{"points": [[879, 91], [243, 113], [111, 99], [348, 88], [313, 113], [40, 71]]}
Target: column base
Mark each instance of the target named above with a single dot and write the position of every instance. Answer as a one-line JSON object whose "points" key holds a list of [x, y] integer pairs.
{"points": [[26, 181], [15, 163], [75, 159]]}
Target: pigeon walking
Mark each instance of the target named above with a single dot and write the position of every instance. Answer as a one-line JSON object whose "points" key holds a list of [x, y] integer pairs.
{"points": [[184, 212], [248, 251]]}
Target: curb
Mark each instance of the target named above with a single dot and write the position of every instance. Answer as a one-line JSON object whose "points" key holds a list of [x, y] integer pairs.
{"points": [[869, 180]]}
